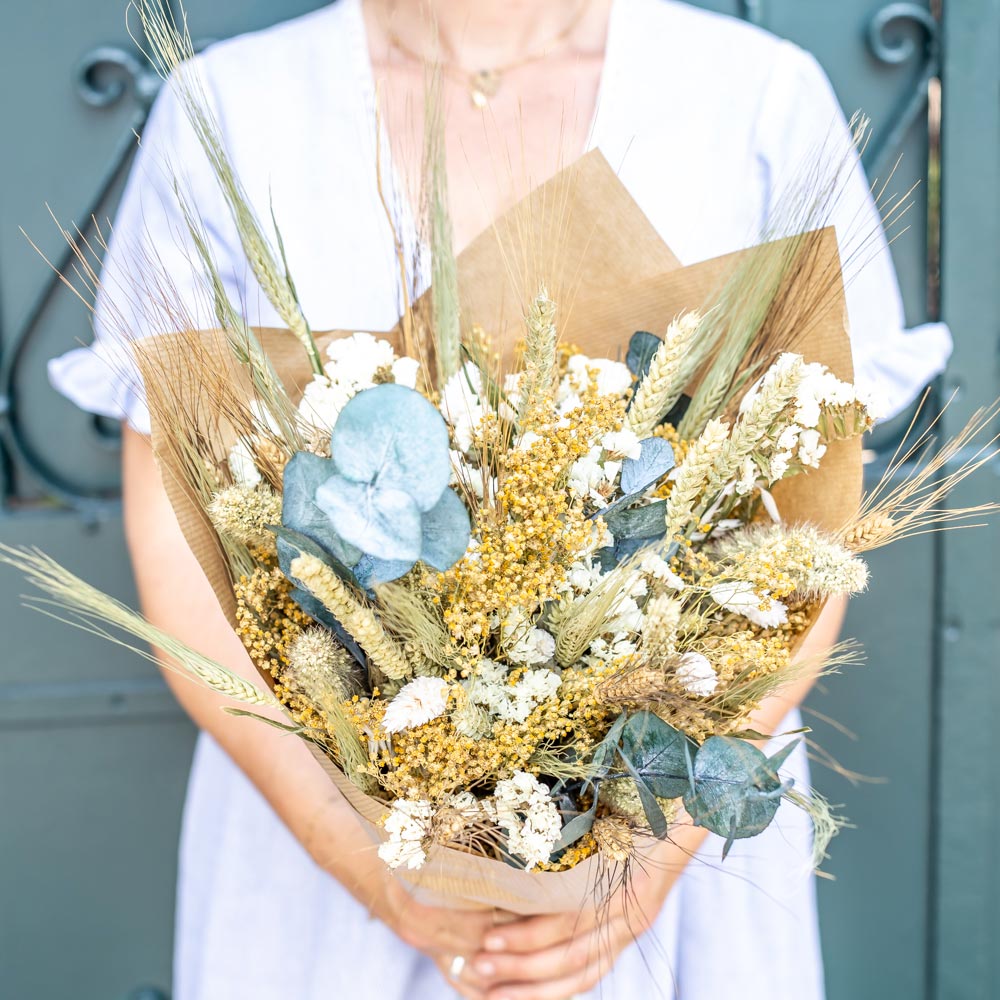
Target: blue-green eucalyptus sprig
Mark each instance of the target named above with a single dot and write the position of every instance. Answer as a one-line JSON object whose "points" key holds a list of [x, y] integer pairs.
{"points": [[382, 501]]}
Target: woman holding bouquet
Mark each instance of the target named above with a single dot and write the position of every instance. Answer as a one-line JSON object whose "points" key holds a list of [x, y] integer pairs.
{"points": [[706, 120]]}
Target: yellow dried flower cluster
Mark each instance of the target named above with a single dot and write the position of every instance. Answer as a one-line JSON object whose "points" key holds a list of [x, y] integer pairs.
{"points": [[531, 532], [584, 848], [267, 619]]}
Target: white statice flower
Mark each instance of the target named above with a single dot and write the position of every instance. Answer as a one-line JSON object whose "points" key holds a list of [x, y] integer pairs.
{"points": [[582, 576], [740, 597], [242, 465], [523, 808], [526, 440], [611, 378], [408, 825], [417, 702], [241, 461], [819, 388], [405, 372], [624, 443], [779, 465], [697, 675], [749, 473], [586, 476], [659, 569], [461, 404], [811, 451], [788, 439]]}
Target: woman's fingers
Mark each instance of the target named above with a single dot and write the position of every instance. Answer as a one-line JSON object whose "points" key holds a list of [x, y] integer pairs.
{"points": [[556, 962], [444, 932], [462, 978], [537, 933], [579, 981]]}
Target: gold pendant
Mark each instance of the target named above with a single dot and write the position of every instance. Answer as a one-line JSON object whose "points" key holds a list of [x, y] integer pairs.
{"points": [[482, 86]]}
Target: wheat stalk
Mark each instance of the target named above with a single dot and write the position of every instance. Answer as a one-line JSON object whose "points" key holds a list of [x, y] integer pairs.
{"points": [[918, 503], [693, 474], [170, 53], [752, 428], [356, 617], [662, 385], [538, 377], [93, 611]]}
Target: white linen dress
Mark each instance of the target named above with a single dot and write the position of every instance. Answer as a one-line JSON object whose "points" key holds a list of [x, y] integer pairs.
{"points": [[703, 116]]}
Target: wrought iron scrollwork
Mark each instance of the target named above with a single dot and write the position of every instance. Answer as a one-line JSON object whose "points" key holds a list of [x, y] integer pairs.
{"points": [[105, 78], [897, 33]]}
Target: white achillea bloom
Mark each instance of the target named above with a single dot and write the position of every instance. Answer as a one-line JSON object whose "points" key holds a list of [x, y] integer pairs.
{"points": [[352, 364], [697, 675], [524, 810], [491, 690], [408, 826], [740, 597], [355, 359], [612, 378], [533, 647], [417, 702], [323, 400], [624, 443]]}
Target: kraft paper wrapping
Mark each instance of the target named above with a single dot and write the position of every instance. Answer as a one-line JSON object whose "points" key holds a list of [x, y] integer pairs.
{"points": [[610, 275]]}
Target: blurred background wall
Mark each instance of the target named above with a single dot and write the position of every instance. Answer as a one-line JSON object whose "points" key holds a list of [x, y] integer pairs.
{"points": [[93, 751]]}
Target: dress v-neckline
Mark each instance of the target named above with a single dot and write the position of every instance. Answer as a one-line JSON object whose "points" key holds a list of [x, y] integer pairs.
{"points": [[364, 73]]}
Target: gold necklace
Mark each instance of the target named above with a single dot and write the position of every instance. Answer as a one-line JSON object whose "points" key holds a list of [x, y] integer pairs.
{"points": [[484, 84]]}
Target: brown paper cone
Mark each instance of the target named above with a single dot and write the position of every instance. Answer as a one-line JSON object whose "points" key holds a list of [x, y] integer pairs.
{"points": [[619, 277]]}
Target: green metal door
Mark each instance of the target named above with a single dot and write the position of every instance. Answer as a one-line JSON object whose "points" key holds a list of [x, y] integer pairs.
{"points": [[93, 752]]}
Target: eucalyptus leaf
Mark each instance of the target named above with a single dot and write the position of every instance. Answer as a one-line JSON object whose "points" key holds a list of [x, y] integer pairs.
{"points": [[654, 814], [736, 789], [637, 522], [641, 348], [575, 828], [370, 572], [303, 475], [654, 462], [656, 754], [605, 750], [382, 521], [445, 532], [392, 437]]}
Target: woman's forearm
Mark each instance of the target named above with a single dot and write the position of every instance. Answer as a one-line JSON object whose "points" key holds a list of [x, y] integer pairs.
{"points": [[178, 598]]}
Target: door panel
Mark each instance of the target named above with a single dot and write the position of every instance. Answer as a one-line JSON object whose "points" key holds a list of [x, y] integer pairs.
{"points": [[94, 751]]}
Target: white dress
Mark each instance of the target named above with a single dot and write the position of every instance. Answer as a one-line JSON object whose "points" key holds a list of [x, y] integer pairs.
{"points": [[690, 102]]}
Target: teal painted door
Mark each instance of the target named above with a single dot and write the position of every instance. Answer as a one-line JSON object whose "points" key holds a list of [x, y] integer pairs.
{"points": [[93, 752]]}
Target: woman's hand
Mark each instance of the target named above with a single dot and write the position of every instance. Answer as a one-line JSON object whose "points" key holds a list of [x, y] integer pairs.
{"points": [[555, 956]]}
